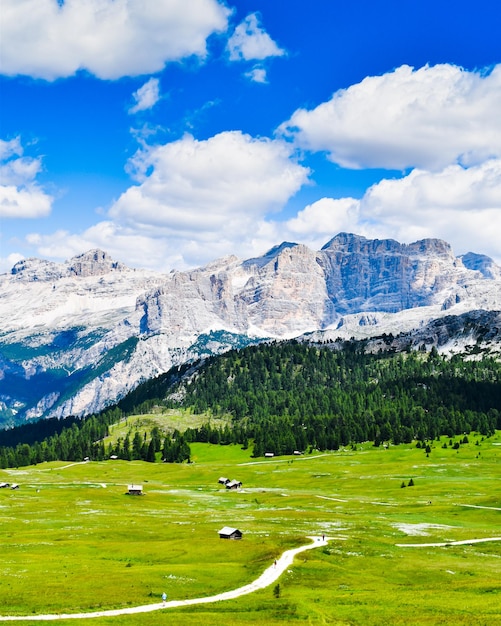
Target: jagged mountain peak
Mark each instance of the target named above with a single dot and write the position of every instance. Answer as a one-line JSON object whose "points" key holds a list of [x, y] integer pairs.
{"points": [[111, 327], [220, 264], [271, 254], [481, 263], [32, 269], [93, 263], [430, 246], [352, 243]]}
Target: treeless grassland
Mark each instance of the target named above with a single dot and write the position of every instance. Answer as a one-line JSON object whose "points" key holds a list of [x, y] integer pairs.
{"points": [[166, 420], [72, 541]]}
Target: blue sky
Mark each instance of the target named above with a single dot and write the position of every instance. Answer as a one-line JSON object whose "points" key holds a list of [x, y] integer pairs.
{"points": [[173, 132]]}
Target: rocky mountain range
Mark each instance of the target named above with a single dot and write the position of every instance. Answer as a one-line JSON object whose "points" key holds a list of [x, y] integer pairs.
{"points": [[77, 336]]}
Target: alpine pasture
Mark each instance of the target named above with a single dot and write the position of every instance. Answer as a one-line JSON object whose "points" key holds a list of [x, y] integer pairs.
{"points": [[73, 541]]}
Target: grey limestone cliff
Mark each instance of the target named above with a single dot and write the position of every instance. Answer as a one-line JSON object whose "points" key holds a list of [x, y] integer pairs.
{"points": [[109, 327]]}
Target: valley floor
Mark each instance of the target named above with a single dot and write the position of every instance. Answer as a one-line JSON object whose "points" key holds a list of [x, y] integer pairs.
{"points": [[269, 576]]}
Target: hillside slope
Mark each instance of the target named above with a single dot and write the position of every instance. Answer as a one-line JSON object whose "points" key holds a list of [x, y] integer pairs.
{"points": [[76, 337]]}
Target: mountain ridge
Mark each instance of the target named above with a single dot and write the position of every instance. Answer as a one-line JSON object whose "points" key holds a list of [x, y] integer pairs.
{"points": [[83, 333]]}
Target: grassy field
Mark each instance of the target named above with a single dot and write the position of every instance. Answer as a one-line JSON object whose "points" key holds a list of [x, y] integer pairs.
{"points": [[73, 541], [166, 420]]}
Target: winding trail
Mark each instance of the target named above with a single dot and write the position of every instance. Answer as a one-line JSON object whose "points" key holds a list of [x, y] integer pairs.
{"points": [[447, 544], [477, 506], [269, 576]]}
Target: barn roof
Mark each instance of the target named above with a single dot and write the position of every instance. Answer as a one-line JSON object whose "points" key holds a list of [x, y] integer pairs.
{"points": [[227, 530]]}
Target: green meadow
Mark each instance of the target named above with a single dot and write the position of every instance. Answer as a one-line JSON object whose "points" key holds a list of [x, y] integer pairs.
{"points": [[72, 541]]}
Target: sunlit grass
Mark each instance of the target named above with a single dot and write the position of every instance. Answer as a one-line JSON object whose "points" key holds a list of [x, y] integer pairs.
{"points": [[73, 541], [166, 420]]}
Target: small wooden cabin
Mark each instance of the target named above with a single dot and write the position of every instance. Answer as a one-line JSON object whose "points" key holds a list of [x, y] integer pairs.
{"points": [[230, 533], [233, 484], [135, 490]]}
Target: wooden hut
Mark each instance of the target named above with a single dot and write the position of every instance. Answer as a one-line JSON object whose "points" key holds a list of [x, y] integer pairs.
{"points": [[230, 533], [135, 490]]}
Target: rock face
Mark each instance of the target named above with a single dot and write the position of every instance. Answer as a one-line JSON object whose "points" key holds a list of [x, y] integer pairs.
{"points": [[77, 336], [292, 289], [481, 263], [91, 263], [375, 275]]}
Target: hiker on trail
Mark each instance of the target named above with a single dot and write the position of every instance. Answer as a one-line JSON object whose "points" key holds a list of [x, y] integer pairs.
{"points": [[275, 563], [164, 597]]}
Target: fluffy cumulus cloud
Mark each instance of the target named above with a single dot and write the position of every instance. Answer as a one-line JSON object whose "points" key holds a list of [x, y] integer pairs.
{"points": [[427, 118], [195, 201], [108, 38], [205, 188], [458, 204], [122, 243], [461, 205], [146, 96], [320, 221], [251, 42], [440, 123], [181, 218], [20, 195]]}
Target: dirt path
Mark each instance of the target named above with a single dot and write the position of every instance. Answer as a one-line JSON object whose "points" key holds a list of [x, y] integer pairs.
{"points": [[269, 576], [446, 544], [477, 506]]}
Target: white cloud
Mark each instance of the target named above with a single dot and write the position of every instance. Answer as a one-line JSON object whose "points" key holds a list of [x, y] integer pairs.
{"points": [[146, 96], [427, 118], [202, 189], [152, 249], [195, 201], [257, 75], [108, 38], [198, 200], [10, 148], [29, 202], [123, 244], [251, 42], [8, 262], [320, 221], [20, 195], [454, 188], [460, 205]]}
